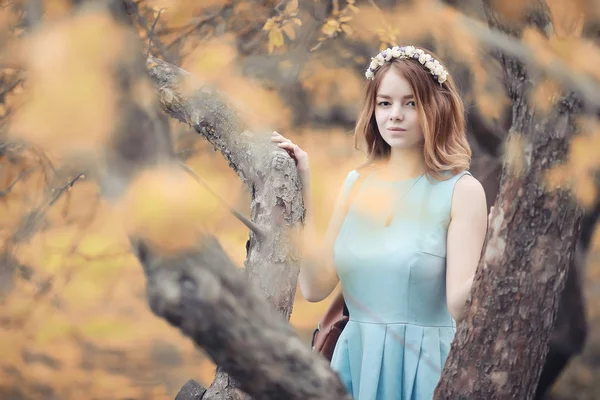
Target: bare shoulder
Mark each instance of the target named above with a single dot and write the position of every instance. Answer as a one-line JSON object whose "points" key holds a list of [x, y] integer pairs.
{"points": [[468, 185], [469, 196]]}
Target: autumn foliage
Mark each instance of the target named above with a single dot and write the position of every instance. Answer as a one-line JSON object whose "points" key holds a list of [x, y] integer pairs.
{"points": [[74, 321]]}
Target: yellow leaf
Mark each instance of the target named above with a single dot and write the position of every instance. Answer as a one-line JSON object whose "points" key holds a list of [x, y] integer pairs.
{"points": [[346, 18], [347, 30], [292, 7], [352, 8], [289, 31], [329, 30], [269, 24], [165, 206], [276, 37], [297, 21]]}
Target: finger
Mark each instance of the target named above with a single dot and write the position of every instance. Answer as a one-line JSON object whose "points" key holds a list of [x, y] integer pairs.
{"points": [[289, 149], [279, 139], [286, 145]]}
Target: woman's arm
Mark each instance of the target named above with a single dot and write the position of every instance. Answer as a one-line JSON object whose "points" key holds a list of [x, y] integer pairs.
{"points": [[317, 277], [466, 234]]}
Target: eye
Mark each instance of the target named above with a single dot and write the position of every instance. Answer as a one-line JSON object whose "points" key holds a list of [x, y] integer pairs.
{"points": [[383, 103], [411, 103]]}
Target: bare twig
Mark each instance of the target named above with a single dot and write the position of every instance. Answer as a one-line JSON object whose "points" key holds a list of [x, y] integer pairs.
{"points": [[132, 5], [22, 175], [251, 225], [150, 34], [197, 25], [381, 15], [9, 88], [59, 191]]}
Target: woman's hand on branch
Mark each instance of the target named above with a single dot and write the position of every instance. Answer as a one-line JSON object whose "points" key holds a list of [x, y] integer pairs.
{"points": [[298, 155]]}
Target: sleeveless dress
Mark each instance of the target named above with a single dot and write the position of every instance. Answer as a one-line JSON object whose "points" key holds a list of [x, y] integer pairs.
{"points": [[394, 282]]}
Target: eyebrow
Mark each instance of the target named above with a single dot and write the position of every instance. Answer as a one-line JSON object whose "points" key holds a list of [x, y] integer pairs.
{"points": [[385, 96]]}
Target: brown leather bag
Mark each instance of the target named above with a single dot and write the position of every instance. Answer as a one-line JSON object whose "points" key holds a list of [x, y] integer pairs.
{"points": [[336, 317], [330, 327]]}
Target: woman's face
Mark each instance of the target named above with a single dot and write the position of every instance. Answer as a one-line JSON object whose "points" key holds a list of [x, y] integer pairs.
{"points": [[396, 112]]}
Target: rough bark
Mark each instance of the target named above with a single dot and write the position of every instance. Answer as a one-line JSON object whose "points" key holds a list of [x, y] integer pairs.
{"points": [[223, 309], [501, 346], [276, 204], [202, 293], [191, 390]]}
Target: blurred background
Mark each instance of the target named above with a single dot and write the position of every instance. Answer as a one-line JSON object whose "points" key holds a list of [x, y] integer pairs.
{"points": [[74, 321]]}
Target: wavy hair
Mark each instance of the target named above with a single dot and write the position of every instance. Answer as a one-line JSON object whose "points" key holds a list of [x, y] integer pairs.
{"points": [[441, 116]]}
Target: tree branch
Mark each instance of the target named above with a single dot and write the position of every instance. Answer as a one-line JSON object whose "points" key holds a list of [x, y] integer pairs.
{"points": [[501, 345], [251, 225], [202, 293], [269, 173], [509, 46], [133, 9], [22, 175]]}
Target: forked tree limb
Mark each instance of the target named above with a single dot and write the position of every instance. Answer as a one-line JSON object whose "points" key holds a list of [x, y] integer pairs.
{"points": [[501, 345], [210, 300]]}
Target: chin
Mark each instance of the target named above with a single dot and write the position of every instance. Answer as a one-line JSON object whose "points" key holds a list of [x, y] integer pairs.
{"points": [[400, 143]]}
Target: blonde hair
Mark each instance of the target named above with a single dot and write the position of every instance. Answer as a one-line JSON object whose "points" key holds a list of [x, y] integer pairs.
{"points": [[441, 116]]}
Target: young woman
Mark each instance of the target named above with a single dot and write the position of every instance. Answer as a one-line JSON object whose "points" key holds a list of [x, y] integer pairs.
{"points": [[406, 249]]}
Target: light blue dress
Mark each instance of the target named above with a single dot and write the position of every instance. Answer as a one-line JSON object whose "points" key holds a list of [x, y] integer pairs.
{"points": [[394, 281]]}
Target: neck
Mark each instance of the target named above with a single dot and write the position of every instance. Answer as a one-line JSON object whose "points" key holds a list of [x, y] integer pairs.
{"points": [[405, 163]]}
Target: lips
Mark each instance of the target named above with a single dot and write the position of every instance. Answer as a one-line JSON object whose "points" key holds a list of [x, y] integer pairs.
{"points": [[397, 129]]}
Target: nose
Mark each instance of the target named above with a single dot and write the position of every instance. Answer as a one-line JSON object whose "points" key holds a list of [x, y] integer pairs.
{"points": [[397, 113]]}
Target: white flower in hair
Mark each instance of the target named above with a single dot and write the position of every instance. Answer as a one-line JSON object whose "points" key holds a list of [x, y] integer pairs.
{"points": [[408, 53], [423, 58]]}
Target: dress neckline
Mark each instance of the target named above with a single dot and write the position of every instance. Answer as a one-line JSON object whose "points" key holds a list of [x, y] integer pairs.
{"points": [[377, 178]]}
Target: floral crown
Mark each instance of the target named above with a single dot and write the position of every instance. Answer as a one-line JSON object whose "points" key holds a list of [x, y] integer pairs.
{"points": [[406, 52]]}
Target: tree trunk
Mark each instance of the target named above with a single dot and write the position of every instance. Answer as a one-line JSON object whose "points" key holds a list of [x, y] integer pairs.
{"points": [[202, 293], [501, 345], [276, 204], [222, 308]]}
